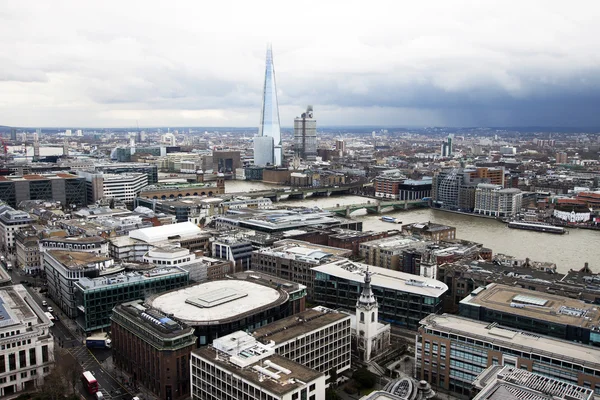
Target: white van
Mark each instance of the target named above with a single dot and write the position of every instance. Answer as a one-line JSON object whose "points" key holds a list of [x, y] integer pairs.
{"points": [[99, 395]]}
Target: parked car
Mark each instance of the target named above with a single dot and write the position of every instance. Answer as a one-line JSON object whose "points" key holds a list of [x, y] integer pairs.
{"points": [[50, 309], [45, 303]]}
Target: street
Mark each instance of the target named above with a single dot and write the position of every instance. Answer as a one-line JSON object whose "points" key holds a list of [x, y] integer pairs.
{"points": [[66, 336]]}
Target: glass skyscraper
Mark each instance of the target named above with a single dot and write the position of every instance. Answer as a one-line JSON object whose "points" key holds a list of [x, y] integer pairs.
{"points": [[269, 151]]}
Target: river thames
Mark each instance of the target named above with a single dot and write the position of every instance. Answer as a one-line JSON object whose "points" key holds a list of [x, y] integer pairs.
{"points": [[569, 251]]}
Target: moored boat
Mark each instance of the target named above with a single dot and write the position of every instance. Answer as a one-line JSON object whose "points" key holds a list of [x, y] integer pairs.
{"points": [[537, 226]]}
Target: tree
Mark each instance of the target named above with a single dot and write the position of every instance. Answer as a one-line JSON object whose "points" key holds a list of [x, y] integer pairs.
{"points": [[364, 378], [54, 387], [332, 376], [331, 394], [69, 368]]}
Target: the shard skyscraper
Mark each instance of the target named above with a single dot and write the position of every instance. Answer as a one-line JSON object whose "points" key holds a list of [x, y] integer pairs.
{"points": [[267, 145]]}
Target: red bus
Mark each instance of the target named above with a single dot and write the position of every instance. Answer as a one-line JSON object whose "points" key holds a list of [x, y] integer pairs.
{"points": [[89, 382]]}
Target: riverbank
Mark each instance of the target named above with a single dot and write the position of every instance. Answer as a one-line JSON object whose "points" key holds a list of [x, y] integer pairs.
{"points": [[469, 214]]}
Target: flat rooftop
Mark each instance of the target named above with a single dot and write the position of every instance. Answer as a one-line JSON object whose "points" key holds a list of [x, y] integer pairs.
{"points": [[505, 382], [284, 383], [166, 232], [535, 304], [587, 356], [35, 177], [217, 302], [128, 278], [296, 325], [384, 278], [76, 259], [396, 243]]}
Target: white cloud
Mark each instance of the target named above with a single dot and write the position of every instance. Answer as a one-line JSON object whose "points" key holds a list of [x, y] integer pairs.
{"points": [[376, 62]]}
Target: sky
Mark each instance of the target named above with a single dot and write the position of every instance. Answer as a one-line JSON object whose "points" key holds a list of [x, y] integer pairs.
{"points": [[387, 63]]}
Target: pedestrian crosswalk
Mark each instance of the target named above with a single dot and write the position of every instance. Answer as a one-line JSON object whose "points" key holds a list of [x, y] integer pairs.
{"points": [[84, 356]]}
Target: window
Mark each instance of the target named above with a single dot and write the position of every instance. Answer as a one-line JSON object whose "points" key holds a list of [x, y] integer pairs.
{"points": [[362, 317], [45, 353], [312, 387]]}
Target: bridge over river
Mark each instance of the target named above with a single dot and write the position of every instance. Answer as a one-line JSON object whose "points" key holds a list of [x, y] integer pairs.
{"points": [[376, 206]]}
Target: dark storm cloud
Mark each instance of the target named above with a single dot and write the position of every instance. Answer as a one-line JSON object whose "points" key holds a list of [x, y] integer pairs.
{"points": [[433, 63]]}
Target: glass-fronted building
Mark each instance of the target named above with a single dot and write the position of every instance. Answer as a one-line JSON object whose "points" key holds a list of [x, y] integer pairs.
{"points": [[404, 299], [96, 298], [451, 351]]}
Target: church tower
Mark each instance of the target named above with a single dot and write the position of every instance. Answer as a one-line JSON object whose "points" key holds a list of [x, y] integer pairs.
{"points": [[366, 319]]}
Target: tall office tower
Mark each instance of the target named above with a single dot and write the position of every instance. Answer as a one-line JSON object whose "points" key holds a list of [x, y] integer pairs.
{"points": [[447, 150], [66, 147], [36, 146], [13, 134], [305, 136], [269, 151]]}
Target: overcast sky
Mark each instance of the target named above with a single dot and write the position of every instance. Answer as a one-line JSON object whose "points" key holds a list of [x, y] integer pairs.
{"points": [[398, 63]]}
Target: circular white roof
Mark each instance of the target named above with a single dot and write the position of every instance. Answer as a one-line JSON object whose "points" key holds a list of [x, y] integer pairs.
{"points": [[215, 301]]}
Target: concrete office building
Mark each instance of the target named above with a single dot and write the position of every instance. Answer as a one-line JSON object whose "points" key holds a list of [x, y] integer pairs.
{"points": [[454, 189], [11, 221], [199, 268], [226, 161], [403, 299], [146, 343], [236, 366], [451, 351], [64, 268], [387, 184], [125, 168], [69, 189], [96, 297], [140, 241], [532, 311], [388, 252], [123, 187], [26, 345], [236, 250], [217, 308], [318, 338], [294, 260], [305, 135], [495, 201]]}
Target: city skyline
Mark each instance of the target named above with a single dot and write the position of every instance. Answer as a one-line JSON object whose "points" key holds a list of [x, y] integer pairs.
{"points": [[438, 64]]}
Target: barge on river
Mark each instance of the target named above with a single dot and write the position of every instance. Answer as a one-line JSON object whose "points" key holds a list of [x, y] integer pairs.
{"points": [[537, 226]]}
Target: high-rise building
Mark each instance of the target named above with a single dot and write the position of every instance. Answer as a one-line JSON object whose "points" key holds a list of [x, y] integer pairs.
{"points": [[269, 151], [305, 135], [447, 149], [561, 158], [13, 134]]}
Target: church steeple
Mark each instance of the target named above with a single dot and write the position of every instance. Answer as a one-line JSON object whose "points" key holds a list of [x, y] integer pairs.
{"points": [[367, 319], [367, 299]]}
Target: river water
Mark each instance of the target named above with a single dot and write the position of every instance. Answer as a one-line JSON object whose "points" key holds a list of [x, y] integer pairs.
{"points": [[569, 251]]}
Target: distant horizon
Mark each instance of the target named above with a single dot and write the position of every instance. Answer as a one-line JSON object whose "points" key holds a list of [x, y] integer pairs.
{"points": [[585, 129]]}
